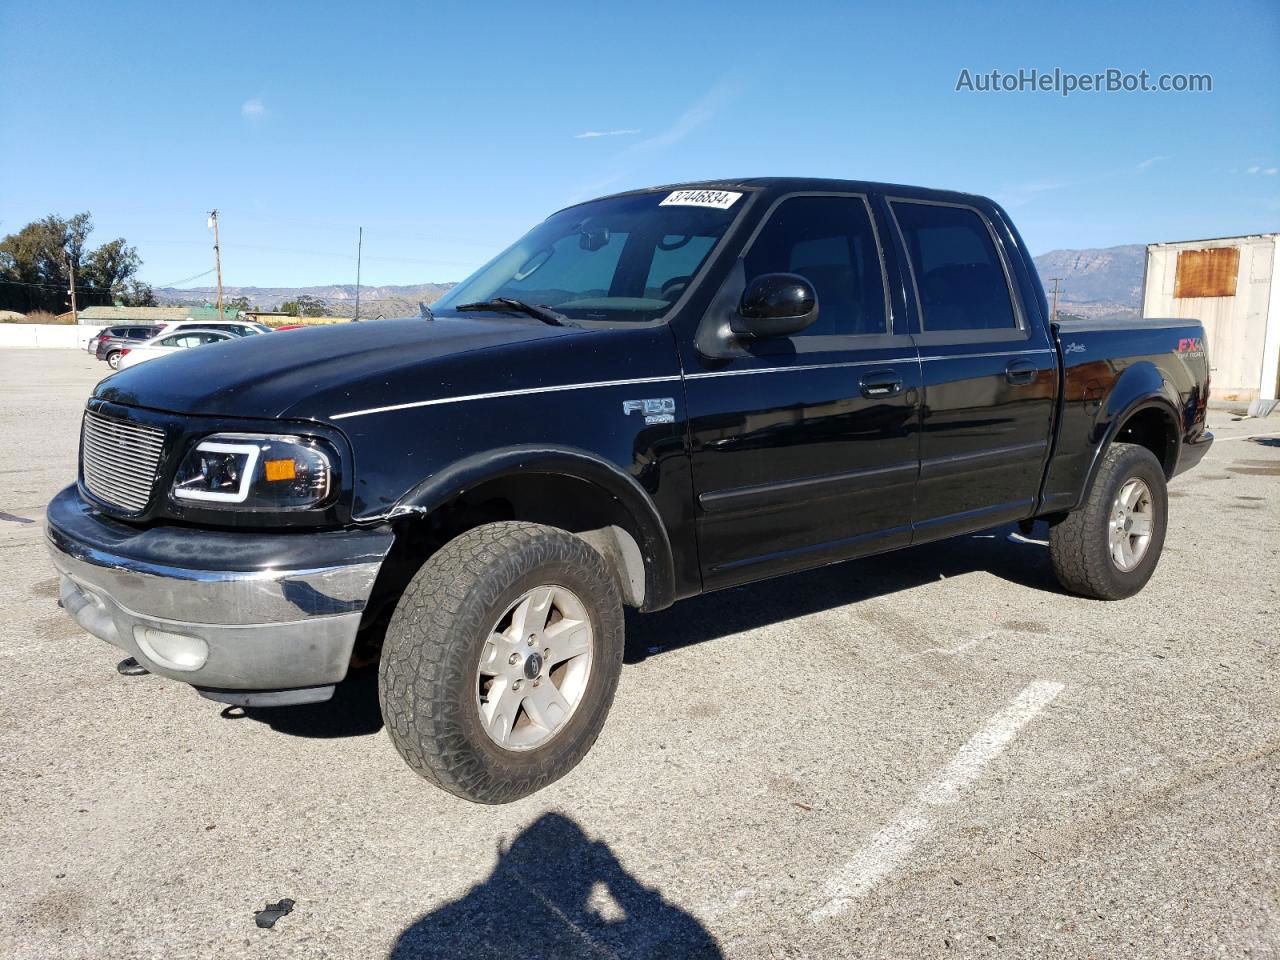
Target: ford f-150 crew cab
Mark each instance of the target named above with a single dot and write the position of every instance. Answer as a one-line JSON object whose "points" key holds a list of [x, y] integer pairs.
{"points": [[648, 396]]}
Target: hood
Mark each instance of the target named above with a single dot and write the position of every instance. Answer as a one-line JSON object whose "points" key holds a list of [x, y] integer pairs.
{"points": [[266, 375]]}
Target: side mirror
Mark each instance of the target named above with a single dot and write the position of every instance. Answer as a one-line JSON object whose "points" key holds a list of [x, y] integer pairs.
{"points": [[776, 305]]}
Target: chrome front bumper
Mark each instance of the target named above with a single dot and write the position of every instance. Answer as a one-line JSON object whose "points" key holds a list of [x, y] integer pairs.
{"points": [[244, 617]]}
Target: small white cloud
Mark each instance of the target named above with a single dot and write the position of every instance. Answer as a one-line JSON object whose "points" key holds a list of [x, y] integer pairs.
{"points": [[253, 109], [1254, 170], [1271, 171], [1150, 162], [589, 134]]}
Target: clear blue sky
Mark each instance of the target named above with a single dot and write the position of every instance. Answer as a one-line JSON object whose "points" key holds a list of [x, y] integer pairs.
{"points": [[447, 130]]}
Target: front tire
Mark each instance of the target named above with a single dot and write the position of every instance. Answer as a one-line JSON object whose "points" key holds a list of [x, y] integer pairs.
{"points": [[1109, 547], [501, 660]]}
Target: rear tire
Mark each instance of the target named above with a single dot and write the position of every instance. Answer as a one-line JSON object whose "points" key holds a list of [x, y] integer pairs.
{"points": [[1109, 547], [460, 655], [113, 360]]}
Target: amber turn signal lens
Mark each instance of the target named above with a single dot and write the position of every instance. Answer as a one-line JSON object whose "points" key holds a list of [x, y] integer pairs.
{"points": [[279, 470]]}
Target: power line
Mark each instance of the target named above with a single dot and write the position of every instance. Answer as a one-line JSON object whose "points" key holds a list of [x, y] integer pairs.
{"points": [[54, 286], [188, 279]]}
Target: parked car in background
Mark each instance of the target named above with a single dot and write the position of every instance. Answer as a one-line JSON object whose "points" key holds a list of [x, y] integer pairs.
{"points": [[167, 343], [241, 328], [108, 343]]}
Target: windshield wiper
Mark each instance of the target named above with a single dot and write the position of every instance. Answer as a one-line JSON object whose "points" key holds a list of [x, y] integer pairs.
{"points": [[537, 311]]}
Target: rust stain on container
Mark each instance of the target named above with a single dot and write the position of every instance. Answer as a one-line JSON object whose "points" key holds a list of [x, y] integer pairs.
{"points": [[1207, 273]]}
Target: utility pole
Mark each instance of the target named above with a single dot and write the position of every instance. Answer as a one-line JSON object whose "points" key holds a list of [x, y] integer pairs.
{"points": [[1054, 314], [71, 269], [217, 257], [359, 251]]}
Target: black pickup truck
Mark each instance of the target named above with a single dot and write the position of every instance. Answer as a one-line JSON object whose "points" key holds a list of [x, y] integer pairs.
{"points": [[648, 396]]}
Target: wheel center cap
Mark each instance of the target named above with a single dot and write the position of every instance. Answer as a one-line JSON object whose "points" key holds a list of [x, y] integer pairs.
{"points": [[533, 665]]}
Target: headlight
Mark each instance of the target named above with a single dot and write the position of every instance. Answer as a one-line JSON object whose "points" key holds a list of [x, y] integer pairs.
{"points": [[251, 472]]}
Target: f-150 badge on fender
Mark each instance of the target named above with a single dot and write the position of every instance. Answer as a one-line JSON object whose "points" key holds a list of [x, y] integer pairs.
{"points": [[655, 409]]}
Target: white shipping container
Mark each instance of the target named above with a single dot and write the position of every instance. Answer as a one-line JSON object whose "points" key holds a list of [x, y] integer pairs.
{"points": [[1232, 286]]}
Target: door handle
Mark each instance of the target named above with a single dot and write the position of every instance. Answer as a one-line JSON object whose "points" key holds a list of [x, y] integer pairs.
{"points": [[880, 383], [1020, 371]]}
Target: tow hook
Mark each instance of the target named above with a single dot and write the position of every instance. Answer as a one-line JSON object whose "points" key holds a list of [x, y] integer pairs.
{"points": [[130, 667]]}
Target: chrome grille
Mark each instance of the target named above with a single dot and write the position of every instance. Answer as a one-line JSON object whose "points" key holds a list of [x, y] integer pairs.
{"points": [[119, 460]]}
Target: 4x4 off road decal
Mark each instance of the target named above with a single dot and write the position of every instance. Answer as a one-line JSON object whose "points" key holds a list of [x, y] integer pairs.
{"points": [[1190, 345], [655, 409]]}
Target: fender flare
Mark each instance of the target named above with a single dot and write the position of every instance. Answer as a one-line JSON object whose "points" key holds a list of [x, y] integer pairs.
{"points": [[463, 475], [1140, 387]]}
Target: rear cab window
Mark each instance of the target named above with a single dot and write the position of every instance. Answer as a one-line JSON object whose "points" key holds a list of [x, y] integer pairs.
{"points": [[960, 280]]}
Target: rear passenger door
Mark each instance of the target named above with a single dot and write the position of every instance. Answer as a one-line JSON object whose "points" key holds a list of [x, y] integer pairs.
{"points": [[804, 447], [989, 371]]}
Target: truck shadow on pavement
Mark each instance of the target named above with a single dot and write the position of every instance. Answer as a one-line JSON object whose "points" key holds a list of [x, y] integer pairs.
{"points": [[999, 552], [354, 711], [555, 892]]}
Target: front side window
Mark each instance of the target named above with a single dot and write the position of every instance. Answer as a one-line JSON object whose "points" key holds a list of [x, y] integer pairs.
{"points": [[831, 243], [959, 278], [625, 258]]}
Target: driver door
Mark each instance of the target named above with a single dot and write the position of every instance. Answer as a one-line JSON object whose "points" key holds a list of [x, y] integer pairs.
{"points": [[805, 448]]}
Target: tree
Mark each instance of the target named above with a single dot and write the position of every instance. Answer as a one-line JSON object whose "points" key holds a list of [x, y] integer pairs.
{"points": [[139, 295], [36, 265], [304, 306], [239, 304]]}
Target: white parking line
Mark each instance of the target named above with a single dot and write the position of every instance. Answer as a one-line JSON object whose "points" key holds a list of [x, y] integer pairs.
{"points": [[894, 841], [1247, 436]]}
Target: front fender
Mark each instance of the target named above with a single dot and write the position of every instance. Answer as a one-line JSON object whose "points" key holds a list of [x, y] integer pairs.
{"points": [[527, 459]]}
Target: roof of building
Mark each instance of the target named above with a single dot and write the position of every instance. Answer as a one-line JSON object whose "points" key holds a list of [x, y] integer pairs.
{"points": [[1245, 236], [151, 314]]}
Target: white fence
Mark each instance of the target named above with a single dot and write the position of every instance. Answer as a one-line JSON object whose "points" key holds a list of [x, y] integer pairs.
{"points": [[46, 335]]}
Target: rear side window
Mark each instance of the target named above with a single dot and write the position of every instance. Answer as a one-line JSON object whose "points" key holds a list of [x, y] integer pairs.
{"points": [[958, 274], [830, 242], [141, 333]]}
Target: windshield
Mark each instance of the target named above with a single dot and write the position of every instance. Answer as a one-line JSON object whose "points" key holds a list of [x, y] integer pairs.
{"points": [[622, 259]]}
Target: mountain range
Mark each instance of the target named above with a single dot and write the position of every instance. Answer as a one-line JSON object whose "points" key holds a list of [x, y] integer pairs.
{"points": [[1098, 284], [1103, 284], [339, 299]]}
